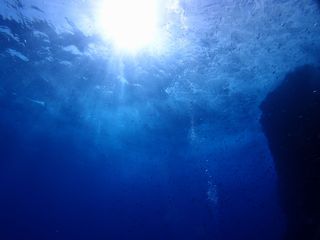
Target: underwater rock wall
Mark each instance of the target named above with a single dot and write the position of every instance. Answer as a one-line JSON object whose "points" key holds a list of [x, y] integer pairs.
{"points": [[291, 122]]}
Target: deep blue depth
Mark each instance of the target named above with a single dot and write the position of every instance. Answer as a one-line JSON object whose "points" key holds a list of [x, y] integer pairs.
{"points": [[166, 155]]}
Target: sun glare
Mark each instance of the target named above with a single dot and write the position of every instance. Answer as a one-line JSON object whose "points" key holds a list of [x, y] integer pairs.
{"points": [[129, 24]]}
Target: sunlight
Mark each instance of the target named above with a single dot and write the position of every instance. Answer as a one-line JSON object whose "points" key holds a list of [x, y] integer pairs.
{"points": [[130, 25]]}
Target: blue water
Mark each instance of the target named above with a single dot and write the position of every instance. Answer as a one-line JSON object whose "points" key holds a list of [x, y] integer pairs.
{"points": [[96, 144]]}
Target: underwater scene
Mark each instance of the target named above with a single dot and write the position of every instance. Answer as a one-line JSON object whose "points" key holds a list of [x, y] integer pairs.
{"points": [[159, 120]]}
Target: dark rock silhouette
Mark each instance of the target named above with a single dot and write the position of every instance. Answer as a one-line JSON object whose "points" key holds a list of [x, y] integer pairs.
{"points": [[291, 122]]}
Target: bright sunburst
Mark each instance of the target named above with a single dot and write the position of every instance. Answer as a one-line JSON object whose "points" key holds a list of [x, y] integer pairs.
{"points": [[129, 24]]}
